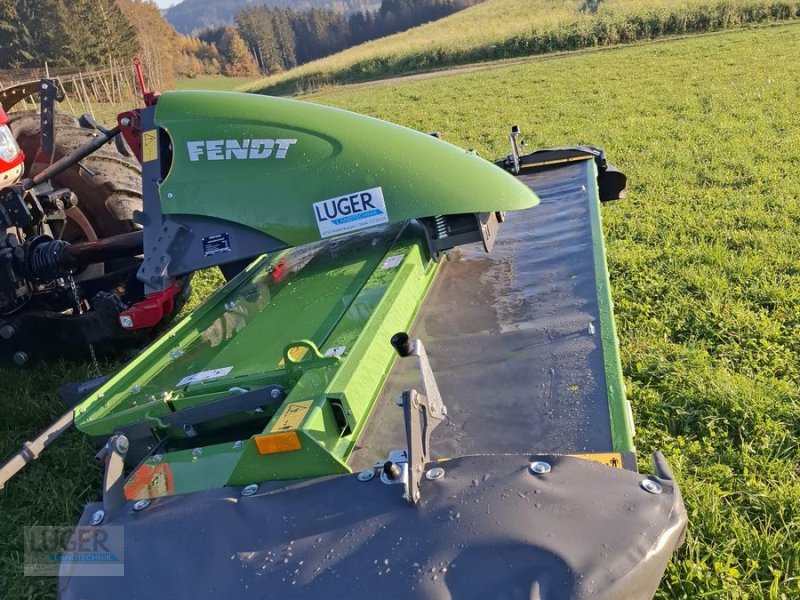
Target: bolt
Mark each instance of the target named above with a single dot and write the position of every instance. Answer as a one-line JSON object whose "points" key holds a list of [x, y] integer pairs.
{"points": [[197, 452], [125, 122], [539, 467], [366, 475], [392, 471], [97, 517], [648, 485], [136, 389], [176, 353], [435, 473], [140, 505], [170, 195], [126, 322], [250, 489], [155, 459], [238, 444], [20, 358], [7, 332], [122, 444], [400, 400], [275, 393]]}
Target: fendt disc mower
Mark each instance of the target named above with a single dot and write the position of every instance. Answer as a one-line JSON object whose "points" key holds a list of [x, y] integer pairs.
{"points": [[271, 445]]}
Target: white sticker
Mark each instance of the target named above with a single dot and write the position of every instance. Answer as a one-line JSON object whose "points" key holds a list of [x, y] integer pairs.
{"points": [[204, 376], [392, 262], [351, 212], [336, 351]]}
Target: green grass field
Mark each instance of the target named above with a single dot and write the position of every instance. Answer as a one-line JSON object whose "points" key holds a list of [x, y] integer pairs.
{"points": [[704, 265], [505, 29], [222, 84]]}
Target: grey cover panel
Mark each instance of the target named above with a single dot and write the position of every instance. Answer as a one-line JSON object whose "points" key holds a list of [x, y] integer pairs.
{"points": [[508, 334], [488, 529]]}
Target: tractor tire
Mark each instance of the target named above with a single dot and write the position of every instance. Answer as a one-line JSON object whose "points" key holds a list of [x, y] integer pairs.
{"points": [[107, 183]]}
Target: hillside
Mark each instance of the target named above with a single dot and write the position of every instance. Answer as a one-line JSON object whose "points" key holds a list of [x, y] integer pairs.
{"points": [[498, 29], [193, 15]]}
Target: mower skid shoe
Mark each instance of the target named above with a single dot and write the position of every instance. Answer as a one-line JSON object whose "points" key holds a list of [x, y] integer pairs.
{"points": [[489, 527]]}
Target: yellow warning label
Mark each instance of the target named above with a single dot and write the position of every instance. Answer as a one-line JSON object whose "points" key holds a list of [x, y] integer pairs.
{"points": [[296, 354], [611, 459], [149, 145], [291, 417]]}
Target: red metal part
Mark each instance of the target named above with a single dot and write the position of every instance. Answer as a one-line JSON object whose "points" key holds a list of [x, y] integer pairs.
{"points": [[3, 117], [150, 98], [130, 124], [150, 311], [14, 163]]}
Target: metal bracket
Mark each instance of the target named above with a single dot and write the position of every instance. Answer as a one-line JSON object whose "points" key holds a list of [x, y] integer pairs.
{"points": [[154, 266], [114, 476], [421, 414], [48, 95]]}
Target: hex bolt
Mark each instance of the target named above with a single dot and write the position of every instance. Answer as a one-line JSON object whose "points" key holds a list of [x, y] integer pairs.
{"points": [[97, 517], [366, 475], [250, 489], [20, 358], [540, 467], [392, 471], [140, 505], [7, 332], [125, 122], [155, 459], [434, 473], [648, 485], [122, 444], [197, 452]]}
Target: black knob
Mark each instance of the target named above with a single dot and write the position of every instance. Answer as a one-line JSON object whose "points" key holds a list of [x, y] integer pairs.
{"points": [[402, 343], [392, 471]]}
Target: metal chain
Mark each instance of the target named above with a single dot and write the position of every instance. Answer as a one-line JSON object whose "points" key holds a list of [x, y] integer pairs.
{"points": [[78, 304]]}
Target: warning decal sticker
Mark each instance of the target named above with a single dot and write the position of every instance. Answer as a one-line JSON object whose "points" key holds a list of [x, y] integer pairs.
{"points": [[611, 459], [291, 417], [149, 145]]}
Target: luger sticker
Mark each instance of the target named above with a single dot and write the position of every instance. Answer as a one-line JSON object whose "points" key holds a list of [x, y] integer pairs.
{"points": [[352, 212]]}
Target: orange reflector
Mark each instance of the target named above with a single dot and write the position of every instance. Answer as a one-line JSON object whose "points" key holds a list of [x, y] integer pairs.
{"points": [[275, 443]]}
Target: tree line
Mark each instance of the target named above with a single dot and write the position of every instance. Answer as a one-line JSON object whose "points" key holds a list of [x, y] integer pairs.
{"points": [[281, 38]]}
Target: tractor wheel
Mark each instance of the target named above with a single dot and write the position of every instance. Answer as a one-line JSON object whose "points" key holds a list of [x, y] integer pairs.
{"points": [[107, 183]]}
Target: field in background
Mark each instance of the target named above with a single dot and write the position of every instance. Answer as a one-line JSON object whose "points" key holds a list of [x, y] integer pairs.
{"points": [[222, 84], [704, 264], [501, 29]]}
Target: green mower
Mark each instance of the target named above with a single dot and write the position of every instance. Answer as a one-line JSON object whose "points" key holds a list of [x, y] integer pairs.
{"points": [[271, 444]]}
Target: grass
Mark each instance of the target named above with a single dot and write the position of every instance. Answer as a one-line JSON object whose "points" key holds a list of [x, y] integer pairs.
{"points": [[221, 84], [502, 29], [704, 266]]}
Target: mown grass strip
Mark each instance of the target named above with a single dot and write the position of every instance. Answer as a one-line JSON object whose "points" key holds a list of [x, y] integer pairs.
{"points": [[502, 29]]}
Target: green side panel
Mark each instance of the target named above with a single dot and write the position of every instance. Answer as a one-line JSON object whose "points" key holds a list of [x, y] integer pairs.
{"points": [[315, 320], [619, 408], [271, 164]]}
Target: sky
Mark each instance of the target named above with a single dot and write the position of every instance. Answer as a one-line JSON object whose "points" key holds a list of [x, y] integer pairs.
{"points": [[166, 3]]}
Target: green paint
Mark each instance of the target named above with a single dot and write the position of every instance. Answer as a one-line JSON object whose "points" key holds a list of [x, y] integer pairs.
{"points": [[264, 162], [619, 410]]}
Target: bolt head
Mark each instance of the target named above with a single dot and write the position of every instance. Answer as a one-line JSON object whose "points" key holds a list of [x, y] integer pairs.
{"points": [[155, 459], [126, 321], [7, 332], [648, 485], [97, 517], [197, 452], [136, 389], [275, 393], [20, 358], [366, 475], [249, 490], [125, 122], [140, 505], [238, 444], [122, 444], [540, 467], [434, 473]]}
